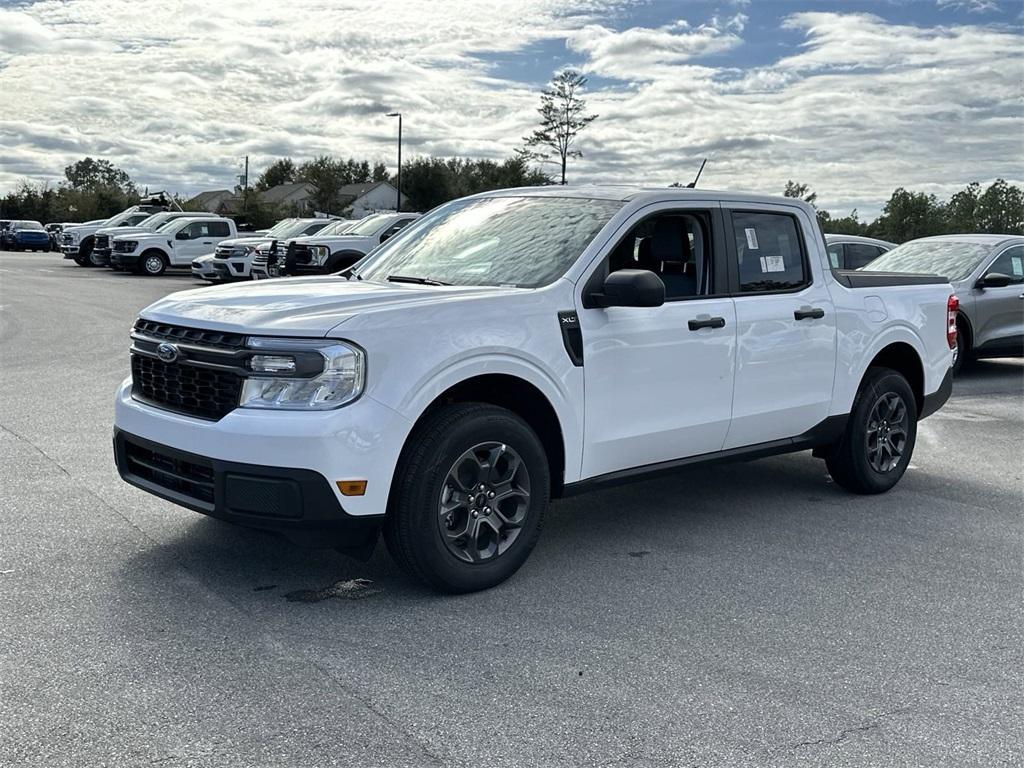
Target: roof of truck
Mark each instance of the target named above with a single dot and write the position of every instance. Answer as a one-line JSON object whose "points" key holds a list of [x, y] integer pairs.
{"points": [[626, 192], [981, 239]]}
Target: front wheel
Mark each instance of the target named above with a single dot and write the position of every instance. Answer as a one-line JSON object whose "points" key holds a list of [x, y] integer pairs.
{"points": [[153, 263], [469, 498], [876, 446]]}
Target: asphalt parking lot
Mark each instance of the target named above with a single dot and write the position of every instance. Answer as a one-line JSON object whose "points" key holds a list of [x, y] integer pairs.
{"points": [[743, 615]]}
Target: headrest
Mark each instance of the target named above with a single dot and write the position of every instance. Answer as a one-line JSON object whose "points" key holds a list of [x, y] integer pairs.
{"points": [[669, 241]]}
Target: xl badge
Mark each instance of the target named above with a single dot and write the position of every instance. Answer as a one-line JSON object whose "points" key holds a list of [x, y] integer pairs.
{"points": [[167, 352]]}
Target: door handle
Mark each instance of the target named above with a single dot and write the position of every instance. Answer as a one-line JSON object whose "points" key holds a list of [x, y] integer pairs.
{"points": [[809, 313], [707, 322]]}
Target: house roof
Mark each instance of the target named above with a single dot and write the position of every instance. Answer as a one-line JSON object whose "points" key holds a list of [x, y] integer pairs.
{"points": [[214, 195], [283, 192]]}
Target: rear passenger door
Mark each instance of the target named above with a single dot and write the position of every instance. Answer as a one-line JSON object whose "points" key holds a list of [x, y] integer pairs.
{"points": [[785, 325]]}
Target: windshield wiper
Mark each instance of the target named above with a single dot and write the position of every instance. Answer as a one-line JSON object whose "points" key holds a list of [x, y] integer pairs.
{"points": [[417, 280]]}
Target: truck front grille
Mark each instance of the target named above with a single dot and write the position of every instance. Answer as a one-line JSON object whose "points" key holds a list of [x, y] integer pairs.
{"points": [[101, 242], [184, 388], [197, 336]]}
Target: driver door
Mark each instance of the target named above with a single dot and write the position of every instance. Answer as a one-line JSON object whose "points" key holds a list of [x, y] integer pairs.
{"points": [[659, 380]]}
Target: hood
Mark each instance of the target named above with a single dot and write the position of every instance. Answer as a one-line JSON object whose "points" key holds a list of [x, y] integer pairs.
{"points": [[144, 234], [115, 231], [247, 240], [334, 240], [300, 306]]}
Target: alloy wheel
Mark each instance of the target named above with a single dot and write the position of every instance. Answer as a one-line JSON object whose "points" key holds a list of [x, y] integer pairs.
{"points": [[484, 502], [887, 432]]}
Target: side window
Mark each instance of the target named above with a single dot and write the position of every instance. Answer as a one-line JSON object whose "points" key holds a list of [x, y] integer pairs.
{"points": [[219, 229], [394, 229], [137, 218], [1010, 262], [860, 254], [768, 252], [191, 230], [674, 246], [835, 255]]}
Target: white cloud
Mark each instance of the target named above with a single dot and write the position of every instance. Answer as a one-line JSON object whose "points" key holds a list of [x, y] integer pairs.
{"points": [[176, 92], [971, 6]]}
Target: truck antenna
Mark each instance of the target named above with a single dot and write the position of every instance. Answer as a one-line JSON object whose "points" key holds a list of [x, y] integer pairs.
{"points": [[693, 183]]}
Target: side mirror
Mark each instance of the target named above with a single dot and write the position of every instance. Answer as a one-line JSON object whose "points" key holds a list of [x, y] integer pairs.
{"points": [[994, 280], [182, 235], [630, 288]]}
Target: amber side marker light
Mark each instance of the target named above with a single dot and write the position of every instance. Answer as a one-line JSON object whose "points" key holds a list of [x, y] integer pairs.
{"points": [[352, 487]]}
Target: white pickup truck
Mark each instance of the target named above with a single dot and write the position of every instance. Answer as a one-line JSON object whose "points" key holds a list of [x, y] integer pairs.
{"points": [[176, 244], [233, 258], [522, 345], [76, 241], [103, 238], [324, 254]]}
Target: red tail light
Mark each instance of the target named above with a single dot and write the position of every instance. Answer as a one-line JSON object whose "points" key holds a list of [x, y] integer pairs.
{"points": [[951, 307]]}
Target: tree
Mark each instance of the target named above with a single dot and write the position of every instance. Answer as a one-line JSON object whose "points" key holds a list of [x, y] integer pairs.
{"points": [[93, 175], [380, 172], [278, 172], [909, 215], [962, 209], [1000, 209], [562, 118], [800, 192]]}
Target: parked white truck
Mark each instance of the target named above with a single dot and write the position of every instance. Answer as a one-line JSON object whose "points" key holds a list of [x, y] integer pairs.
{"points": [[175, 245], [103, 238], [324, 254], [522, 345], [233, 258], [76, 241]]}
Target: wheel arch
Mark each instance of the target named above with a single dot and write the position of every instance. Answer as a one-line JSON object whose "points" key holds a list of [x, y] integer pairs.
{"points": [[517, 395], [904, 359], [963, 321]]}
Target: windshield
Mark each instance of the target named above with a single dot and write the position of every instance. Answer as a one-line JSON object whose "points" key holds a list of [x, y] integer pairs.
{"points": [[368, 226], [166, 225], [335, 228], [292, 230], [32, 225], [518, 241], [282, 226], [952, 259], [152, 221]]}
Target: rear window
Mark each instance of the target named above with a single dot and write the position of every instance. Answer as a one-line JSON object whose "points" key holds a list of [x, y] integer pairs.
{"points": [[768, 251]]}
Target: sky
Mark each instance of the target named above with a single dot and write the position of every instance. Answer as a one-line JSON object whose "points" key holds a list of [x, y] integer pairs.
{"points": [[853, 97]]}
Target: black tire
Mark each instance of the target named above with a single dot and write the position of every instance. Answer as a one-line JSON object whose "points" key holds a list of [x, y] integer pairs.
{"points": [[414, 526], [94, 260], [851, 461], [83, 257], [152, 264]]}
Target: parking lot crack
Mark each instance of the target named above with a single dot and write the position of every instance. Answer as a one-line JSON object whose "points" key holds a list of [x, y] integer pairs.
{"points": [[844, 734]]}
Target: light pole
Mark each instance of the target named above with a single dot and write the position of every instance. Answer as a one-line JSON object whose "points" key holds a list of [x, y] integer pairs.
{"points": [[398, 181]]}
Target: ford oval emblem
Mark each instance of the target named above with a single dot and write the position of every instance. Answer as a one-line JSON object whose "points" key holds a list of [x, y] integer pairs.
{"points": [[167, 352]]}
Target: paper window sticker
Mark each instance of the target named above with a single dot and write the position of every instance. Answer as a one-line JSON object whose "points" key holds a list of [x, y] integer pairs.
{"points": [[1018, 265], [773, 264], [751, 238]]}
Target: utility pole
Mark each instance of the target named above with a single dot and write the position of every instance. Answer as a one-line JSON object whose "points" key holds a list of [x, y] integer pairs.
{"points": [[398, 181]]}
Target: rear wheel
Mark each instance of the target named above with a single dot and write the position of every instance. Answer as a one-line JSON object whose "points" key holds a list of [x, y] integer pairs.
{"points": [[152, 263], [469, 498], [876, 446]]}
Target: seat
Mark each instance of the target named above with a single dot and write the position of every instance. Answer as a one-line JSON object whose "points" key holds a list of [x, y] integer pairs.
{"points": [[670, 251]]}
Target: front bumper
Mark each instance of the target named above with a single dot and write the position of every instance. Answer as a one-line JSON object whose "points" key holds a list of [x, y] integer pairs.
{"points": [[230, 269], [69, 251], [101, 256], [125, 260], [298, 503], [361, 441]]}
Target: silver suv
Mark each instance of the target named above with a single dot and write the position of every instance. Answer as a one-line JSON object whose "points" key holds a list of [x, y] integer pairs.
{"points": [[987, 272]]}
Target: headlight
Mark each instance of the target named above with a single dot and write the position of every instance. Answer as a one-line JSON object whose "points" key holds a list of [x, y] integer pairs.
{"points": [[336, 374], [73, 236], [318, 254]]}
